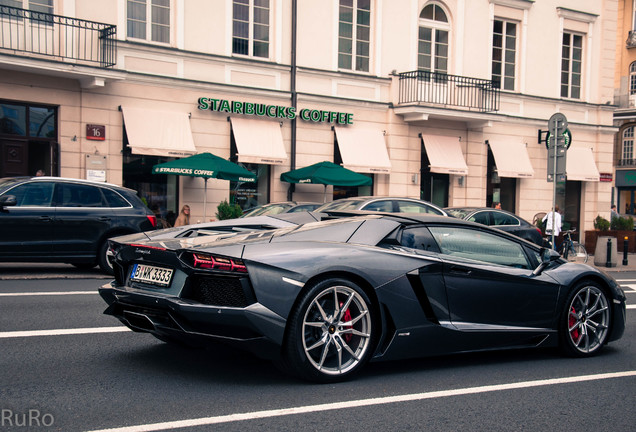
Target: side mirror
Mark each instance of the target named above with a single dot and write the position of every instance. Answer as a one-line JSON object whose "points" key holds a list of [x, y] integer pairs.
{"points": [[547, 256], [7, 201]]}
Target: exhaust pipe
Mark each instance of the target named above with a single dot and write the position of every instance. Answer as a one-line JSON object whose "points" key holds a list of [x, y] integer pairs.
{"points": [[139, 321]]}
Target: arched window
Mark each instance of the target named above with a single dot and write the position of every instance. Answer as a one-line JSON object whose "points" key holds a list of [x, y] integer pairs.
{"points": [[627, 154], [433, 38]]}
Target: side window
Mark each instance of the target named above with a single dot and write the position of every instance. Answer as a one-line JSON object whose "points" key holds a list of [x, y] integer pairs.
{"points": [[481, 217], [383, 206], [477, 245], [418, 238], [38, 194], [76, 195], [114, 199], [415, 207], [504, 219]]}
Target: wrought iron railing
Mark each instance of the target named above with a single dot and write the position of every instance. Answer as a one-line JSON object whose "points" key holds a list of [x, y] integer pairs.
{"points": [[59, 37], [627, 162], [448, 90]]}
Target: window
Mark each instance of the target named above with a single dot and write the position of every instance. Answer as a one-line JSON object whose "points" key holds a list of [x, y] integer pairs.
{"points": [[159, 13], [354, 35], [33, 194], [478, 245], [76, 195], [571, 65], [628, 144], [250, 28], [504, 52], [433, 40], [632, 77], [44, 6]]}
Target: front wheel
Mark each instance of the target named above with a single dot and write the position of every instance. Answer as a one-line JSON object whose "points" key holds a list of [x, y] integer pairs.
{"points": [[585, 322], [331, 332], [577, 253]]}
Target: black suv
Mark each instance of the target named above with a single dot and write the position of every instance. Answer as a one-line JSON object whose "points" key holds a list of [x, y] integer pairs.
{"points": [[53, 219]]}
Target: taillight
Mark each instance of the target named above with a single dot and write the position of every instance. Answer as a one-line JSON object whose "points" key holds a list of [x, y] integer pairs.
{"points": [[146, 246], [206, 261], [153, 220]]}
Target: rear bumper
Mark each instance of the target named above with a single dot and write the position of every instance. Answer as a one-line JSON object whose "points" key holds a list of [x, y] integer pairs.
{"points": [[255, 328]]}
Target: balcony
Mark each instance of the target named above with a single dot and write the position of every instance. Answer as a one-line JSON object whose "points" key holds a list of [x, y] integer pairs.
{"points": [[38, 35], [631, 39], [630, 163], [450, 97]]}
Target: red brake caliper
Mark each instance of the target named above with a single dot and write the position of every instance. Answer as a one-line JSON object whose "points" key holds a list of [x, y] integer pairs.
{"points": [[347, 317], [571, 322]]}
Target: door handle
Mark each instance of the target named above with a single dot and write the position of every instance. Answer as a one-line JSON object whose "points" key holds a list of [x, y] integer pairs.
{"points": [[460, 270], [45, 218], [103, 218]]}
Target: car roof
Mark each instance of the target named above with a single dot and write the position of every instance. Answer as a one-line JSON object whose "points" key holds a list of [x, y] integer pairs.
{"points": [[64, 179]]}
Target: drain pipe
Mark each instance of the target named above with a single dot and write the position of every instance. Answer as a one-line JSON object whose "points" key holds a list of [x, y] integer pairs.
{"points": [[294, 95]]}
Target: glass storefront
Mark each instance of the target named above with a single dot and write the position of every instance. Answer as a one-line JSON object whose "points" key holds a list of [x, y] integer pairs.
{"points": [[251, 194], [159, 192]]}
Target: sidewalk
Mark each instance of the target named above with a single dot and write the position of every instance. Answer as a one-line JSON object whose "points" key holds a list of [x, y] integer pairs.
{"points": [[631, 263]]}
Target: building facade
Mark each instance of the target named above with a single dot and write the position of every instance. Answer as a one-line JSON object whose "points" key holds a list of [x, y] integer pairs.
{"points": [[624, 194], [447, 101]]}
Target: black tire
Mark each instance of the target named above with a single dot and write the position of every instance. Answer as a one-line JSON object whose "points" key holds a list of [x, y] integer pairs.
{"points": [[102, 258], [84, 266], [584, 324], [319, 345]]}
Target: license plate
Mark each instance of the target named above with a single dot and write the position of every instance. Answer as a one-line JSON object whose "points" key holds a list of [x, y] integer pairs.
{"points": [[151, 274]]}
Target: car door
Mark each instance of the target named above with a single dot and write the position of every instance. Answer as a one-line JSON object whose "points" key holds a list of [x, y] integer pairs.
{"points": [[489, 282], [26, 228], [82, 217]]}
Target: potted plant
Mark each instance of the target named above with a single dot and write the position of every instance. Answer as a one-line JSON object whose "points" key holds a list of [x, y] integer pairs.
{"points": [[228, 211], [619, 228]]}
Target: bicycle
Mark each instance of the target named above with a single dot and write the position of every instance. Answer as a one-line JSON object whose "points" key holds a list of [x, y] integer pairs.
{"points": [[571, 250]]}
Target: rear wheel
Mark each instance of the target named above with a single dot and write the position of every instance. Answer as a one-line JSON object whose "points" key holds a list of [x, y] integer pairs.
{"points": [[331, 332], [103, 258], [585, 322]]}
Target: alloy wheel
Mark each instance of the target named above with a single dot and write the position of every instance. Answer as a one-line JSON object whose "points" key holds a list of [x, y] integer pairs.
{"points": [[336, 330]]}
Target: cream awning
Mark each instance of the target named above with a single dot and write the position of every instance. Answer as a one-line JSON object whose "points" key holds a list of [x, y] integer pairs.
{"points": [[158, 133], [512, 159], [580, 165], [259, 141], [445, 154], [363, 150]]}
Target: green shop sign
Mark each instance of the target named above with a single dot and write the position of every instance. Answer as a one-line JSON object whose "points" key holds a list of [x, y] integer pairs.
{"points": [[274, 111]]}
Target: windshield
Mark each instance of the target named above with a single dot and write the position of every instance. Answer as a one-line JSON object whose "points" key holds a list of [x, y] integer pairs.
{"points": [[7, 182], [457, 212], [343, 204]]}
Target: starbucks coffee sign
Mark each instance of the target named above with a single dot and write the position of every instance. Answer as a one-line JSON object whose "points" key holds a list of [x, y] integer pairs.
{"points": [[274, 111]]}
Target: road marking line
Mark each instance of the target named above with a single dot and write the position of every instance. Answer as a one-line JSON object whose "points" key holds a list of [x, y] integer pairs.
{"points": [[361, 403], [631, 287], [58, 332], [45, 293], [631, 306]]}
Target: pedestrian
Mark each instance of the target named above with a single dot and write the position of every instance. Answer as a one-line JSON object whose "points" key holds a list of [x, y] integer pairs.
{"points": [[184, 216], [614, 212], [550, 222], [496, 205], [39, 173]]}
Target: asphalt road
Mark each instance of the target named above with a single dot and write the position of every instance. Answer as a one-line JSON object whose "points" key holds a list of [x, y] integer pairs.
{"points": [[67, 367]]}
